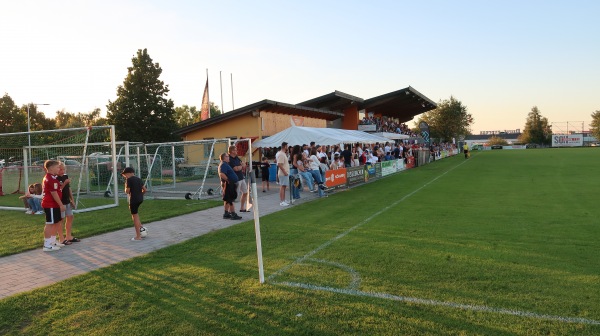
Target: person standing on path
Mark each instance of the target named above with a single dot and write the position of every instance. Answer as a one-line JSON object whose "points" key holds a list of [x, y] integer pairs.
{"points": [[228, 185], [239, 167], [52, 204], [69, 202], [134, 188]]}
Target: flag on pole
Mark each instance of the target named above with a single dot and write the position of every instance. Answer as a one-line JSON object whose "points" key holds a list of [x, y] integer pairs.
{"points": [[205, 109]]}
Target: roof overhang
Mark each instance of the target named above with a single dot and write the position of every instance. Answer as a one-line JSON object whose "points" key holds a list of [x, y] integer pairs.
{"points": [[403, 104], [335, 101], [267, 106]]}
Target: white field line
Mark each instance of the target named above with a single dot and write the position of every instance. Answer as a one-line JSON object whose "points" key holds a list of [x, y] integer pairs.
{"points": [[428, 302], [351, 291]]}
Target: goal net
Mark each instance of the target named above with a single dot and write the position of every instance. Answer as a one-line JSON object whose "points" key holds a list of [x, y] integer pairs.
{"points": [[22, 157], [186, 169]]}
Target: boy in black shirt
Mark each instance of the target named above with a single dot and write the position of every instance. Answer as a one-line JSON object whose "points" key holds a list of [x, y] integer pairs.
{"points": [[134, 188]]}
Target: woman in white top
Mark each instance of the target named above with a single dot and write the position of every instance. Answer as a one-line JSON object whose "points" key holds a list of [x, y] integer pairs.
{"points": [[313, 165]]}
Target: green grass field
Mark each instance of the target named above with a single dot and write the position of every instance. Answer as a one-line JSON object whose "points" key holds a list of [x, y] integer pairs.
{"points": [[20, 232], [505, 243]]}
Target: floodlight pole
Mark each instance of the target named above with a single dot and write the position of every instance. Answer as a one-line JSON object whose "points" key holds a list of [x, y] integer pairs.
{"points": [[29, 130]]}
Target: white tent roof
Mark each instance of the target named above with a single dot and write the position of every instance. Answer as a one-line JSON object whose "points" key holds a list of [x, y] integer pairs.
{"points": [[297, 135], [392, 135]]}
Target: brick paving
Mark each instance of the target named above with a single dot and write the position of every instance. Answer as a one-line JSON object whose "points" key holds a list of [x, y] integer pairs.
{"points": [[34, 269]]}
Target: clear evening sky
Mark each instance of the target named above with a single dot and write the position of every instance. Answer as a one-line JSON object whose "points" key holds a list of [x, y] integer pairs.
{"points": [[499, 58]]}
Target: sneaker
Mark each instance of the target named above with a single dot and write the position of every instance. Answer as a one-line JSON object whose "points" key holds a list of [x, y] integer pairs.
{"points": [[59, 244], [226, 215], [28, 212], [235, 216], [322, 186], [40, 212], [51, 248], [284, 203]]}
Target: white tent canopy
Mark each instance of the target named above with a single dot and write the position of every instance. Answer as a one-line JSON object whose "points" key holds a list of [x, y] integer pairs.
{"points": [[296, 135]]}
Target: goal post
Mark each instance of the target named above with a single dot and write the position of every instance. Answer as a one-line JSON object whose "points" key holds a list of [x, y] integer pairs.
{"points": [[24, 164], [184, 169]]}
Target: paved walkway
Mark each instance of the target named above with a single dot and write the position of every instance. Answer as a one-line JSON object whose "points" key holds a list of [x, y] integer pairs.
{"points": [[34, 269]]}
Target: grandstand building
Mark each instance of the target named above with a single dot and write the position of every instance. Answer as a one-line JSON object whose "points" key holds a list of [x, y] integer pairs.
{"points": [[333, 110]]}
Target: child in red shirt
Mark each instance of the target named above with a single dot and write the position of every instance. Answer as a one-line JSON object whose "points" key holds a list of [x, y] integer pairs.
{"points": [[52, 204]]}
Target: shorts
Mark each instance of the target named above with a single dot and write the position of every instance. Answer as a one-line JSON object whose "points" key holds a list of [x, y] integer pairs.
{"points": [[134, 207], [53, 215], [68, 210], [242, 187], [265, 176], [284, 181], [229, 192]]}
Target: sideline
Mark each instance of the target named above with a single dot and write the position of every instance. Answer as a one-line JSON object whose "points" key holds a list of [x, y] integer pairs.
{"points": [[387, 296]]}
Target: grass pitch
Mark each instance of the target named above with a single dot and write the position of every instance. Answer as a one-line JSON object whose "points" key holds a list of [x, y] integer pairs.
{"points": [[504, 243]]}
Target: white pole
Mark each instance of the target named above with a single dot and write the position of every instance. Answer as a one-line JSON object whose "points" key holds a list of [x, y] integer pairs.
{"points": [[261, 271], [232, 104], [113, 149], [221, 84]]}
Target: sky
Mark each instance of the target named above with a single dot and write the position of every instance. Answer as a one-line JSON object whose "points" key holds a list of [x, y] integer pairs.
{"points": [[499, 58]]}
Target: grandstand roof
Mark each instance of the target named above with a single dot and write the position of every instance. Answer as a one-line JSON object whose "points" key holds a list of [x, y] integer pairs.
{"points": [[403, 104]]}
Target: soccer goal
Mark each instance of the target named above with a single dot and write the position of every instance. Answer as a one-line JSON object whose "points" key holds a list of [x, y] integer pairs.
{"points": [[185, 169], [24, 155]]}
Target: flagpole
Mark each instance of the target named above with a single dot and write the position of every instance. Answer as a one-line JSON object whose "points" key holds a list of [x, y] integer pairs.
{"points": [[221, 83], [207, 93], [232, 105]]}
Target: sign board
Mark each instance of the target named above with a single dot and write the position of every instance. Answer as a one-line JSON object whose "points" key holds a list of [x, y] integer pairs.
{"points": [[334, 178], [567, 140], [388, 167], [356, 175]]}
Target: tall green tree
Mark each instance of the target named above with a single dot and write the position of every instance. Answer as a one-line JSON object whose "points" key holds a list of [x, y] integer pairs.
{"points": [[536, 130], [448, 120], [595, 125], [141, 111], [11, 118]]}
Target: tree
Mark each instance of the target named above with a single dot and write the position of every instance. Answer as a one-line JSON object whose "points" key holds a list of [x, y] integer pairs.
{"points": [[449, 120], [11, 118], [536, 129], [37, 120], [214, 110], [71, 120], [496, 140], [595, 125], [186, 115], [141, 111]]}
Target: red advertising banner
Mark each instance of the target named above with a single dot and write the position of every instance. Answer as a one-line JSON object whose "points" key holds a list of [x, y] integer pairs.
{"points": [[335, 178]]}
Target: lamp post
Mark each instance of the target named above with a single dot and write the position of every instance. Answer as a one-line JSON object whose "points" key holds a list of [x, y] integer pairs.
{"points": [[29, 130]]}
